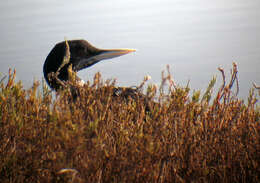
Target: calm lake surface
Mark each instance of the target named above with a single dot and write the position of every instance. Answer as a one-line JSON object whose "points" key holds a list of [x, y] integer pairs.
{"points": [[193, 37]]}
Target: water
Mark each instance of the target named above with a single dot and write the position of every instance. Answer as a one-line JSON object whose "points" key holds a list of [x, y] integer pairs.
{"points": [[193, 37]]}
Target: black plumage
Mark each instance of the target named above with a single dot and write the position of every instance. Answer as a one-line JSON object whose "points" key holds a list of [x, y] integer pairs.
{"points": [[69, 57]]}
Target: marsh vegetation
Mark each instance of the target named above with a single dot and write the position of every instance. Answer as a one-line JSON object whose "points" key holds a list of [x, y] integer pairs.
{"points": [[185, 136]]}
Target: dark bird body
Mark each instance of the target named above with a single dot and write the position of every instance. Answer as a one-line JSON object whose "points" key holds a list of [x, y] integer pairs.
{"points": [[75, 55]]}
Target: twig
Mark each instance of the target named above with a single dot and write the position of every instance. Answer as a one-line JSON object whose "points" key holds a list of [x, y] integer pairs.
{"points": [[220, 92], [256, 87]]}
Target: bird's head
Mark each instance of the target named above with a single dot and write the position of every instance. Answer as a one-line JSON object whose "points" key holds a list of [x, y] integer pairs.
{"points": [[75, 55]]}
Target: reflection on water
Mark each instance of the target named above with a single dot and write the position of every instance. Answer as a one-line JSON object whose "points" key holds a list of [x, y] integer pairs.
{"points": [[193, 37]]}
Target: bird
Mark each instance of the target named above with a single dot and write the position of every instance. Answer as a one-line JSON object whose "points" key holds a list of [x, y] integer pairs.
{"points": [[70, 56], [75, 55]]}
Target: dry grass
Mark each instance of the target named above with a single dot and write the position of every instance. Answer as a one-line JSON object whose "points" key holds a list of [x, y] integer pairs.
{"points": [[183, 138]]}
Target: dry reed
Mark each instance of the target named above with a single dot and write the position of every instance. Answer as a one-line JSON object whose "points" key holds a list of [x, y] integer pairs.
{"points": [[184, 137]]}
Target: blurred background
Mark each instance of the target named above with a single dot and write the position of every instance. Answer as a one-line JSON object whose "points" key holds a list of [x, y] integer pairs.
{"points": [[193, 37]]}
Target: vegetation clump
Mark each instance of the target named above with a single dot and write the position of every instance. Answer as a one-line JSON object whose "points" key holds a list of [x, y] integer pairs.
{"points": [[183, 137]]}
